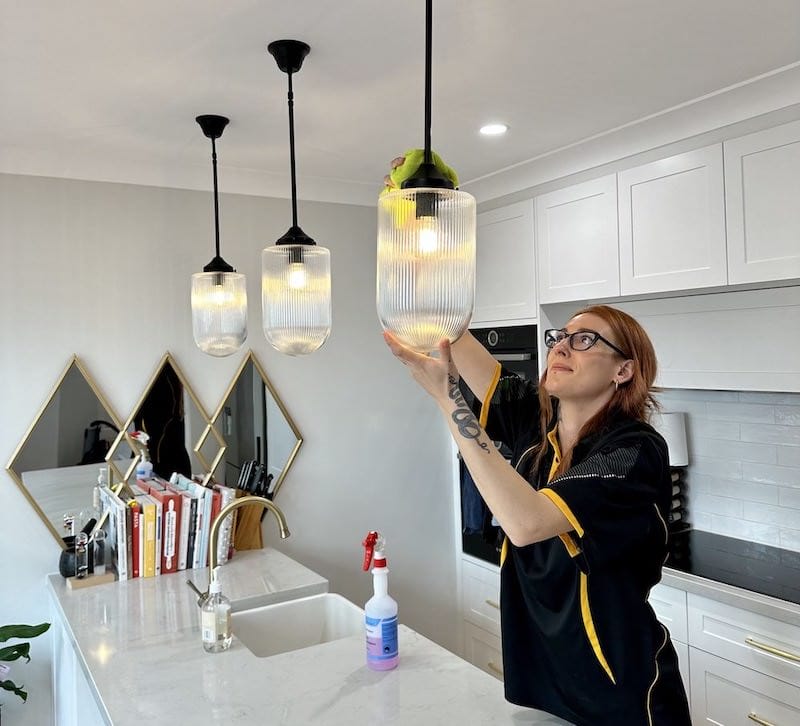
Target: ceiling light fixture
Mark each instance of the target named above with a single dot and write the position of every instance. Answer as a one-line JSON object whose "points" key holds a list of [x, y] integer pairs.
{"points": [[426, 248], [219, 293], [296, 273], [493, 129]]}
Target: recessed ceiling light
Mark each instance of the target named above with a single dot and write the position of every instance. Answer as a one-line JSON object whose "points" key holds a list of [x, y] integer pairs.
{"points": [[494, 129]]}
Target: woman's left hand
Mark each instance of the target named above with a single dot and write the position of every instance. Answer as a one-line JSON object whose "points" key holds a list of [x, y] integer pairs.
{"points": [[436, 375]]}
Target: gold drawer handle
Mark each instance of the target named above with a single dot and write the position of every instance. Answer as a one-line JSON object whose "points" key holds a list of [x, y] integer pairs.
{"points": [[758, 720], [775, 651], [492, 667], [492, 604]]}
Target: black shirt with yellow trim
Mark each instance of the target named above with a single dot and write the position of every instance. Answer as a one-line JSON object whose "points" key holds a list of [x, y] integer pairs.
{"points": [[579, 638]]}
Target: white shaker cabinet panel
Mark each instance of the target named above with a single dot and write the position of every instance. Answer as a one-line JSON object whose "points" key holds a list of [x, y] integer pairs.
{"points": [[577, 241], [505, 281], [762, 181], [672, 223], [727, 694], [669, 605], [484, 650]]}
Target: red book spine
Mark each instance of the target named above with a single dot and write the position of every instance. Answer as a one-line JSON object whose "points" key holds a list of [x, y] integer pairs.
{"points": [[170, 528], [136, 519]]}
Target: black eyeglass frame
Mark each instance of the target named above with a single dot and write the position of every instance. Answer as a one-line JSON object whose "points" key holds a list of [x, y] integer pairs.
{"points": [[554, 332]]}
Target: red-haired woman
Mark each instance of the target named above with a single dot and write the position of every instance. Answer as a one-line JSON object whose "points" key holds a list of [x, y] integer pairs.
{"points": [[584, 510]]}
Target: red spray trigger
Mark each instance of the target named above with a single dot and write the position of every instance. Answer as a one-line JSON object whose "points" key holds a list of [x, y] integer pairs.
{"points": [[369, 545]]}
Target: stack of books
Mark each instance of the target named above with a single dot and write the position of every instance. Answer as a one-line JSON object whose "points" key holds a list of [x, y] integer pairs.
{"points": [[155, 527]]}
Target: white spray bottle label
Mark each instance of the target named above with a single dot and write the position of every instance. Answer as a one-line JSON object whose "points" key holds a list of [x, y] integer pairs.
{"points": [[380, 611]]}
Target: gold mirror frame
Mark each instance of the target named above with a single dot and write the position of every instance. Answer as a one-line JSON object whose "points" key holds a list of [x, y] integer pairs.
{"points": [[124, 436], [17, 477], [251, 358]]}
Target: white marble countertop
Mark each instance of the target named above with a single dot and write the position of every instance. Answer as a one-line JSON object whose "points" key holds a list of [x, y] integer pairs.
{"points": [[139, 645]]}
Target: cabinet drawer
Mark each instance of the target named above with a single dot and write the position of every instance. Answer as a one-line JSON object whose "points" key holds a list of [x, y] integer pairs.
{"points": [[669, 605], [764, 644], [483, 650], [727, 694], [480, 594]]}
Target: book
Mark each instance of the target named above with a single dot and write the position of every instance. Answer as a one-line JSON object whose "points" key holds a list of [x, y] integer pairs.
{"points": [[119, 542], [136, 511], [170, 526], [148, 552]]}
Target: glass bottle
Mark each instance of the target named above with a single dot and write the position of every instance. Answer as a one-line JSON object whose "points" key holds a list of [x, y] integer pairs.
{"points": [[216, 619], [81, 555]]}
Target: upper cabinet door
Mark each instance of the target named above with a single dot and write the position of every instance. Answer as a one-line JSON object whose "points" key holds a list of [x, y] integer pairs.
{"points": [[672, 223], [577, 241], [505, 282], [762, 181]]}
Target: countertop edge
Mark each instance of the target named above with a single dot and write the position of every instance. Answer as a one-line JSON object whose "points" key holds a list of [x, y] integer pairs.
{"points": [[771, 607]]}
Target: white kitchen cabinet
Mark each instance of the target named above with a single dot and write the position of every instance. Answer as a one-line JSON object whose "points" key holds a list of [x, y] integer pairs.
{"points": [[480, 609], [672, 223], [505, 283], [669, 605], [750, 639], [744, 666], [762, 179], [728, 694], [73, 700], [483, 650], [577, 241]]}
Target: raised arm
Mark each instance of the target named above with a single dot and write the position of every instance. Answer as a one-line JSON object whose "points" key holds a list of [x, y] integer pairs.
{"points": [[475, 364], [525, 514]]}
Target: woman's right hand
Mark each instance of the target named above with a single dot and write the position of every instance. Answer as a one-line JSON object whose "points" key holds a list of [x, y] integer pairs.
{"points": [[388, 182], [437, 376]]}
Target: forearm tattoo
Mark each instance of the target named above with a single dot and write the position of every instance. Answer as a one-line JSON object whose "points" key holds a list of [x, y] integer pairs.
{"points": [[463, 417]]}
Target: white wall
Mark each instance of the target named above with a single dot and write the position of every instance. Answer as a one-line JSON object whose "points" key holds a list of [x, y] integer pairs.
{"points": [[102, 270]]}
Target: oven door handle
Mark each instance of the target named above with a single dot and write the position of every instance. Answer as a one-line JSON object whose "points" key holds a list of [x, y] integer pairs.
{"points": [[512, 356]]}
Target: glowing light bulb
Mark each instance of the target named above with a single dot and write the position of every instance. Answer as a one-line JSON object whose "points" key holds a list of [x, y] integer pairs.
{"points": [[296, 277], [220, 296], [428, 235]]}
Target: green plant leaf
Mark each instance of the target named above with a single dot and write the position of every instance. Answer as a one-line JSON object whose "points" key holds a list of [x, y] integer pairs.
{"points": [[22, 631], [11, 686], [16, 651]]}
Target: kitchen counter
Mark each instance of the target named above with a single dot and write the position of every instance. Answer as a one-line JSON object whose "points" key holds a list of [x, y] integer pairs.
{"points": [[138, 644], [757, 577]]}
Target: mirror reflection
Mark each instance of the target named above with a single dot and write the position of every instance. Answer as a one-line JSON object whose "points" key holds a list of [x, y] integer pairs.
{"points": [[57, 462], [260, 438], [173, 419]]}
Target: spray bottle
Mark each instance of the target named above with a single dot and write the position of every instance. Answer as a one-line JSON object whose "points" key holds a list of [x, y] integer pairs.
{"points": [[144, 468], [380, 611]]}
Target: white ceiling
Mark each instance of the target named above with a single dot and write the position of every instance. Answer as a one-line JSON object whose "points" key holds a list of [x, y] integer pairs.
{"points": [[109, 90]]}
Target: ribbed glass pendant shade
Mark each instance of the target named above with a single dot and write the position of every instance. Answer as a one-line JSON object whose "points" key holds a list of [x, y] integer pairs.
{"points": [[296, 297], [219, 312], [426, 265]]}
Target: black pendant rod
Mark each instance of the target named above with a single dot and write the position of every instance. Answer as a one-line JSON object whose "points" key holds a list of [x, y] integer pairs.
{"points": [[216, 193], [291, 150], [428, 46]]}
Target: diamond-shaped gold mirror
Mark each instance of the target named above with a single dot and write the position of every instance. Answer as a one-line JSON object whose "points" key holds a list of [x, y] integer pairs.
{"points": [[255, 427], [56, 464], [170, 413]]}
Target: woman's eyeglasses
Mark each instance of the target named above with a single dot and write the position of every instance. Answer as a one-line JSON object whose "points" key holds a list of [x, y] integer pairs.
{"points": [[579, 340]]}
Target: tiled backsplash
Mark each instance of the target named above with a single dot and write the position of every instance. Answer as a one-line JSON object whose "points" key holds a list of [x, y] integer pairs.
{"points": [[743, 478]]}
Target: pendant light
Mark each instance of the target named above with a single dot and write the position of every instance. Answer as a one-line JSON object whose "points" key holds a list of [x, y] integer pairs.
{"points": [[296, 273], [219, 293], [426, 248]]}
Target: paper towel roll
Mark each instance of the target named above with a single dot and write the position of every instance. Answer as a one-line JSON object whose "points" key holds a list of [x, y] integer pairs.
{"points": [[672, 426]]}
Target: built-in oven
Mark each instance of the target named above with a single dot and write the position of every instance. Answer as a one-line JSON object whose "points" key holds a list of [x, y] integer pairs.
{"points": [[516, 348]]}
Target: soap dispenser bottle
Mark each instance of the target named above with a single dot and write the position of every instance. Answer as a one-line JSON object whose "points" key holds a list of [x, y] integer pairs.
{"points": [[380, 611], [215, 618]]}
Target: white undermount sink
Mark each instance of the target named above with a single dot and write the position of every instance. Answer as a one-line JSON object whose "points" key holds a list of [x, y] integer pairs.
{"points": [[294, 624]]}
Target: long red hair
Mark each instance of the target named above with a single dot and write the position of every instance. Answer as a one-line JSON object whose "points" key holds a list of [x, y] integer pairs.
{"points": [[634, 399]]}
